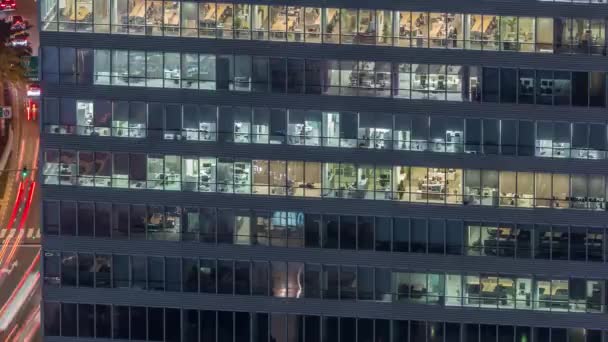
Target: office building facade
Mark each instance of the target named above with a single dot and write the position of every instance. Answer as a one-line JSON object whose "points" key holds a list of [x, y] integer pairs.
{"points": [[303, 171]]}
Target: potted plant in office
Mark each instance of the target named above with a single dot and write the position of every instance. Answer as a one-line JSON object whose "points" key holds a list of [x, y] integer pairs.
{"points": [[385, 32], [237, 26]]}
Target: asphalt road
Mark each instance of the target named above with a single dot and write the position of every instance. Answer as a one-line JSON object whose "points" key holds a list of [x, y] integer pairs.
{"points": [[25, 150]]}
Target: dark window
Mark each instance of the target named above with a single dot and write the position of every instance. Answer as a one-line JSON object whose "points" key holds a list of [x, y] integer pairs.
{"points": [[103, 321], [330, 231], [434, 332], [172, 325], [508, 136], [86, 212], [436, 236], [524, 241], [348, 282], [491, 136], [121, 270], [156, 273], [51, 319], [580, 89], [190, 274], [51, 217], [68, 268], [542, 241], [597, 89], [401, 234], [506, 333], [400, 330], [348, 329], [295, 75], [542, 335], [50, 64], [278, 75], [225, 276], [523, 334], [259, 74], [417, 331], [471, 333], [225, 326], [312, 326], [330, 281], [86, 320], [120, 220], [225, 226], [52, 268], [365, 232], [526, 86], [103, 270], [155, 324], [139, 272], [242, 284], [242, 332], [472, 136], [348, 232], [312, 281], [508, 85], [365, 330], [312, 230], [330, 329], [487, 333], [68, 218], [173, 275], [452, 332], [259, 278], [453, 237], [68, 319], [490, 84], [208, 225], [207, 274], [526, 138], [138, 323], [559, 335], [103, 212], [120, 322], [259, 324], [86, 270], [419, 235], [190, 325], [138, 221], [365, 283]]}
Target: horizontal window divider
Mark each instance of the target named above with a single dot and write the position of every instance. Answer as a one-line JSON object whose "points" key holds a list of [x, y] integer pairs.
{"points": [[407, 261], [349, 207], [328, 154], [329, 103], [328, 51], [325, 307]]}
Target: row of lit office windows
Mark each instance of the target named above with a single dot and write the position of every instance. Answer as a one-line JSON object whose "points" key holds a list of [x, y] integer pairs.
{"points": [[305, 280], [331, 231], [450, 186], [174, 325], [364, 78], [246, 125], [299, 24]]}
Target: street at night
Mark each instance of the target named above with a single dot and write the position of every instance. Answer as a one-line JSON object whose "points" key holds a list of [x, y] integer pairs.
{"points": [[19, 212]]}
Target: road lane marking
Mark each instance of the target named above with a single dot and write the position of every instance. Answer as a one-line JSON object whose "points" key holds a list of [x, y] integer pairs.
{"points": [[30, 233], [2, 233]]}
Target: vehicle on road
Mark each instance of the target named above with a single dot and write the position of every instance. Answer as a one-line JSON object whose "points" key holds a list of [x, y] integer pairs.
{"points": [[6, 271], [8, 5]]}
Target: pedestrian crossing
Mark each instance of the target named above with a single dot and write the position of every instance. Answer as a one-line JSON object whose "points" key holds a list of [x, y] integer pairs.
{"points": [[30, 233]]}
